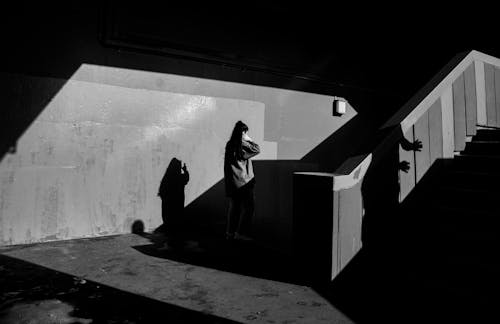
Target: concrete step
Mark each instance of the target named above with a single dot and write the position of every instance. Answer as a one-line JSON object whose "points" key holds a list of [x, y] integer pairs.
{"points": [[439, 236], [473, 221], [483, 148], [464, 255], [466, 199], [475, 163], [487, 135], [471, 180], [455, 261], [464, 275], [455, 225], [450, 220]]}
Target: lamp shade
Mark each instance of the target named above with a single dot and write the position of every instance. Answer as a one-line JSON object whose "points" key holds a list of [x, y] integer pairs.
{"points": [[340, 107]]}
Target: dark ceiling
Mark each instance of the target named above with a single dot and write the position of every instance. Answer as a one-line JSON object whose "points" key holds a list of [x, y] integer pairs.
{"points": [[393, 49]]}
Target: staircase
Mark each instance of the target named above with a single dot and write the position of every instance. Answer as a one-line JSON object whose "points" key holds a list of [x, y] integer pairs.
{"points": [[440, 264], [454, 232], [431, 256]]}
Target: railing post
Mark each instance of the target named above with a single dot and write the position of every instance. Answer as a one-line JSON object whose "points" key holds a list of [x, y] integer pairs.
{"points": [[480, 93], [448, 127], [470, 100], [459, 119]]}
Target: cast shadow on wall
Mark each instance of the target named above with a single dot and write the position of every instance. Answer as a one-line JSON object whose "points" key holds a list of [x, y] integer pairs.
{"points": [[390, 262], [31, 81], [198, 237], [381, 192], [195, 234], [171, 193], [24, 102], [386, 237]]}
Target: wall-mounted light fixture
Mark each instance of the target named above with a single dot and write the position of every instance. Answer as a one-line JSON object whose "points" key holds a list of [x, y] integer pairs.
{"points": [[339, 106]]}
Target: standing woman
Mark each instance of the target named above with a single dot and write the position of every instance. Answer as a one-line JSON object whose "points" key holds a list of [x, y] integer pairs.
{"points": [[240, 181]]}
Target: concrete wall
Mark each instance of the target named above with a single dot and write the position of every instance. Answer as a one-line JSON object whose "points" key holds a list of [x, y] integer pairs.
{"points": [[92, 130], [91, 161]]}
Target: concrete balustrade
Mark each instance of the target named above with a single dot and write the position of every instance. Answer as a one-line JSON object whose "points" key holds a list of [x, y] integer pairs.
{"points": [[464, 94]]}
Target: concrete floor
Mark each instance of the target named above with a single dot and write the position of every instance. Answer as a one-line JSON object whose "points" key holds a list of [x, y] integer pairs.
{"points": [[142, 279], [138, 279]]}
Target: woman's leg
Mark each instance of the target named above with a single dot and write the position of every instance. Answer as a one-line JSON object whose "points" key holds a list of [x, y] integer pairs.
{"points": [[247, 213], [233, 216]]}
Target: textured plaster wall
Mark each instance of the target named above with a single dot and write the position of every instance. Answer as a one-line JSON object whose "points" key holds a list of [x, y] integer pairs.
{"points": [[297, 121], [90, 164]]}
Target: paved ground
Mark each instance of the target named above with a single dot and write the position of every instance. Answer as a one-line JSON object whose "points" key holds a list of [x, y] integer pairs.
{"points": [[141, 279]]}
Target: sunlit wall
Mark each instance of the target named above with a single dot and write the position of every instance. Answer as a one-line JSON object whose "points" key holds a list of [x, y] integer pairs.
{"points": [[91, 163]]}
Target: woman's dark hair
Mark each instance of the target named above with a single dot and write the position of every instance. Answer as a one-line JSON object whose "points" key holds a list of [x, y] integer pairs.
{"points": [[237, 134], [235, 142]]}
